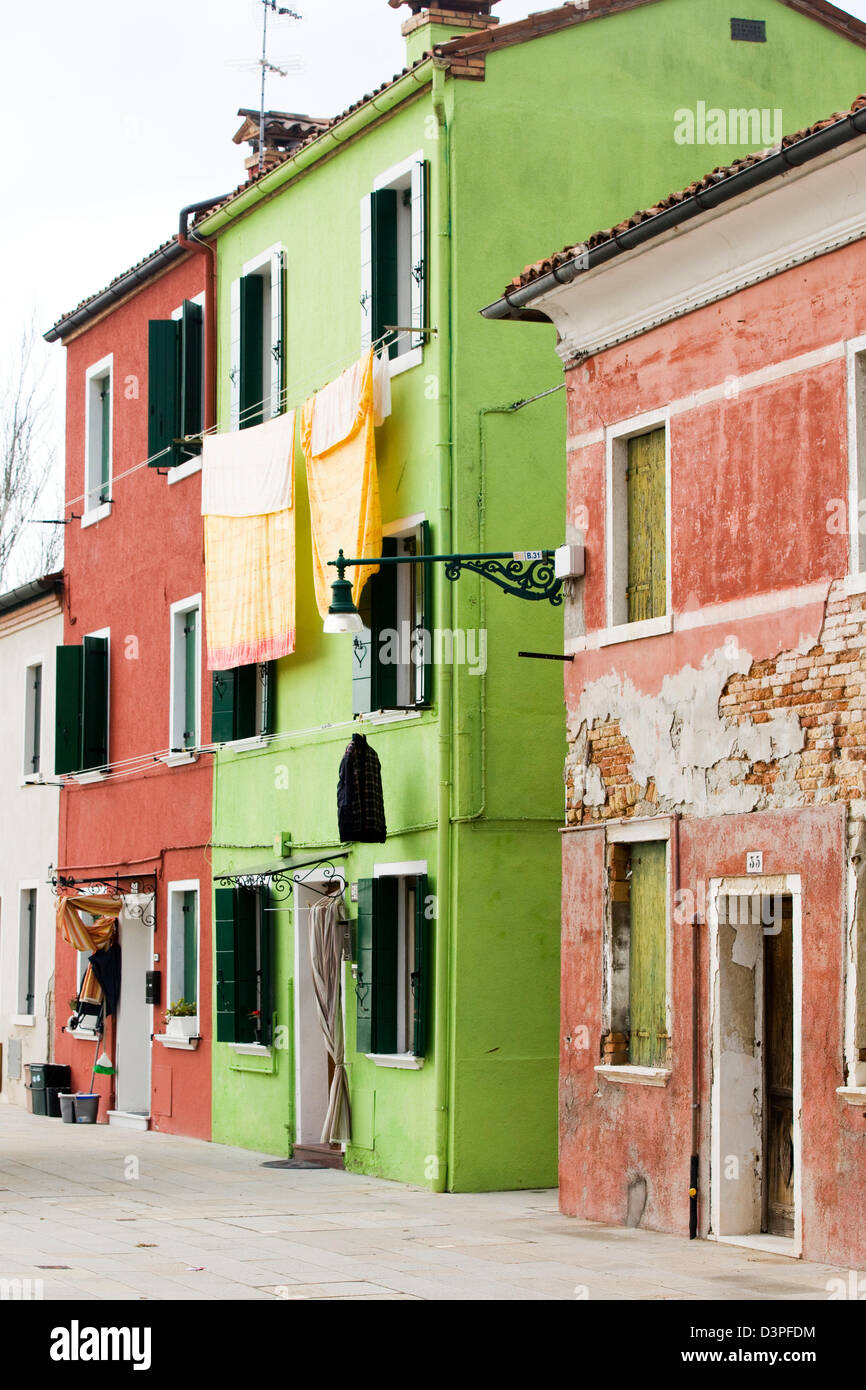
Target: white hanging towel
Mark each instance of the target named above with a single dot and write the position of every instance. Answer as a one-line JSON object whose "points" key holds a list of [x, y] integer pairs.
{"points": [[336, 407], [249, 472]]}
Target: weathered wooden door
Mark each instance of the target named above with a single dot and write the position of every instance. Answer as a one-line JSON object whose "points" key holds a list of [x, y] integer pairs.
{"points": [[778, 1168], [647, 538]]}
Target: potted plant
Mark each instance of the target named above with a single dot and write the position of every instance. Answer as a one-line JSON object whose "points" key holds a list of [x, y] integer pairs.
{"points": [[181, 1019]]}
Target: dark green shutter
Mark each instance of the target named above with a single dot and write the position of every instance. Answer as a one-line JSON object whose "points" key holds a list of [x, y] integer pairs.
{"points": [[192, 354], [247, 689], [647, 542], [424, 580], [163, 392], [268, 677], [252, 350], [190, 653], [648, 954], [421, 973], [266, 993], [247, 964], [67, 709], [364, 985], [224, 697], [190, 948], [384, 238], [225, 935], [362, 657], [383, 607], [385, 957], [105, 438], [95, 703]]}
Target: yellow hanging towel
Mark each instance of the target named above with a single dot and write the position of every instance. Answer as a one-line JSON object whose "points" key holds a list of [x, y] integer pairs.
{"points": [[337, 437]]}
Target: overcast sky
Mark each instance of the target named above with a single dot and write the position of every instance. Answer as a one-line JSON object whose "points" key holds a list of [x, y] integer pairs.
{"points": [[117, 114]]}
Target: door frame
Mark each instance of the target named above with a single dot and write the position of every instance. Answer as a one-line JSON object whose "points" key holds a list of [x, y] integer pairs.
{"points": [[304, 997], [788, 885]]}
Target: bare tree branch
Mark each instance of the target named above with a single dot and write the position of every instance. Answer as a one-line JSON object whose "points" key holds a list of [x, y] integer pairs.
{"points": [[27, 460]]}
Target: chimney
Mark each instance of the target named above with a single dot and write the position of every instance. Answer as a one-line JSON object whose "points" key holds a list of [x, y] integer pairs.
{"points": [[285, 131], [435, 21]]}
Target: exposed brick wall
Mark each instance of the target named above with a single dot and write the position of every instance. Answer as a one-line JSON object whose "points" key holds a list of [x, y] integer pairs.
{"points": [[825, 687]]}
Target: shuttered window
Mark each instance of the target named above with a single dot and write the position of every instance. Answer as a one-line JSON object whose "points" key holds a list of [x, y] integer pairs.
{"points": [[244, 702], [98, 444], [647, 531], [81, 706], [638, 954], [393, 986], [257, 349], [190, 678], [394, 261], [175, 386], [252, 351], [392, 655], [243, 986]]}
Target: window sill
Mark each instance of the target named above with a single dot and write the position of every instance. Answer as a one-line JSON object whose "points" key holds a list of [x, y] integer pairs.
{"points": [[184, 470], [393, 716], [174, 1040], [406, 361], [852, 1095], [84, 779], [90, 518], [24, 1020], [250, 1049], [407, 1061], [32, 779], [83, 1034], [635, 1076], [180, 759], [632, 632], [245, 745]]}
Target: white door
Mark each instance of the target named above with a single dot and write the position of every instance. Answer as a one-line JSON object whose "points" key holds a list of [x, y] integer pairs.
{"points": [[134, 1016], [311, 1055]]}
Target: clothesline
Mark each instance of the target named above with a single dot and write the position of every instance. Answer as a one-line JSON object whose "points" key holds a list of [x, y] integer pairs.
{"points": [[292, 390]]}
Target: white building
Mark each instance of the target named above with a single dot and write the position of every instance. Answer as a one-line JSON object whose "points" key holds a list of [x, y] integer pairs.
{"points": [[31, 628]]}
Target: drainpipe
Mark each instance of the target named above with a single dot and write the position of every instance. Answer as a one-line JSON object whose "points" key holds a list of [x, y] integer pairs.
{"points": [[445, 675], [194, 243]]}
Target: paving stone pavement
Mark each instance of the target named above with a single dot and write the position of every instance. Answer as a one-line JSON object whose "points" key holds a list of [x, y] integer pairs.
{"points": [[105, 1213]]}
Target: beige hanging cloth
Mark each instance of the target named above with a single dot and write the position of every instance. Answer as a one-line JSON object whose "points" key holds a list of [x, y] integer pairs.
{"points": [[83, 937], [326, 961]]}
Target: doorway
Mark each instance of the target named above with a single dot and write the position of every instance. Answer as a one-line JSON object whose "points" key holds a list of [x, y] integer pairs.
{"points": [[134, 1014], [312, 1062], [755, 1001]]}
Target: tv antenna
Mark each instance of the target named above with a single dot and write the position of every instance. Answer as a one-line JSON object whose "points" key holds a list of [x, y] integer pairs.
{"points": [[266, 67]]}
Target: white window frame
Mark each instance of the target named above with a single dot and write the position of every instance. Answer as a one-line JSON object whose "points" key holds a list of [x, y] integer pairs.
{"points": [[191, 465], [639, 832], [97, 372], [616, 535], [23, 1017], [395, 177], [406, 1059], [270, 264], [175, 892], [28, 776], [855, 354], [177, 691]]}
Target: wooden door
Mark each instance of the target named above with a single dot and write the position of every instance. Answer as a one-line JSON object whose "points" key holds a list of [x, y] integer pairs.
{"points": [[778, 1167]]}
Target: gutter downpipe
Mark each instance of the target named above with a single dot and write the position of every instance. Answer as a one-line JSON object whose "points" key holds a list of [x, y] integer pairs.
{"points": [[790, 157], [442, 1056], [194, 243]]}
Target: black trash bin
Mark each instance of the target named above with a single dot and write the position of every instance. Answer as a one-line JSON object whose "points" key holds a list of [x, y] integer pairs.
{"points": [[52, 1098], [44, 1074], [38, 1099]]}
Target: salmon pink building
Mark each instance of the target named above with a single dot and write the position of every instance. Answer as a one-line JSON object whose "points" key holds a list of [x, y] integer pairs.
{"points": [[132, 703], [713, 1030]]}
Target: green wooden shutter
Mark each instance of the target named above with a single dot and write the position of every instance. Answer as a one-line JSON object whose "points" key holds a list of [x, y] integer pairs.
{"points": [[224, 699], [384, 245], [268, 678], [246, 700], [424, 583], [190, 678], [105, 439], [364, 985], [95, 703], [648, 954], [163, 392], [190, 948], [225, 935], [192, 356], [647, 540], [252, 351], [420, 251], [420, 978], [247, 944], [385, 958], [266, 991], [384, 618], [69, 666], [362, 657]]}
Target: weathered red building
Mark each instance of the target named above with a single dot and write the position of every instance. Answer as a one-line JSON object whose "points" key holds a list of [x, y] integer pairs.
{"points": [[133, 708], [714, 935]]}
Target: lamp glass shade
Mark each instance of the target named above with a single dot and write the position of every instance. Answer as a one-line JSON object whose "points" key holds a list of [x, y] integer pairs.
{"points": [[344, 622], [343, 616]]}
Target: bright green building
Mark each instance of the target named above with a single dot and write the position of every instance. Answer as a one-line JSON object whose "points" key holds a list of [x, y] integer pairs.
{"points": [[413, 208]]}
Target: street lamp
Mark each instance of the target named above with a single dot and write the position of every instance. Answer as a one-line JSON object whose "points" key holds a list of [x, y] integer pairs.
{"points": [[528, 574]]}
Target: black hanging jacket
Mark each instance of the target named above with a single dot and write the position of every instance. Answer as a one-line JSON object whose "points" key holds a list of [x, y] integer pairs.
{"points": [[360, 806]]}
